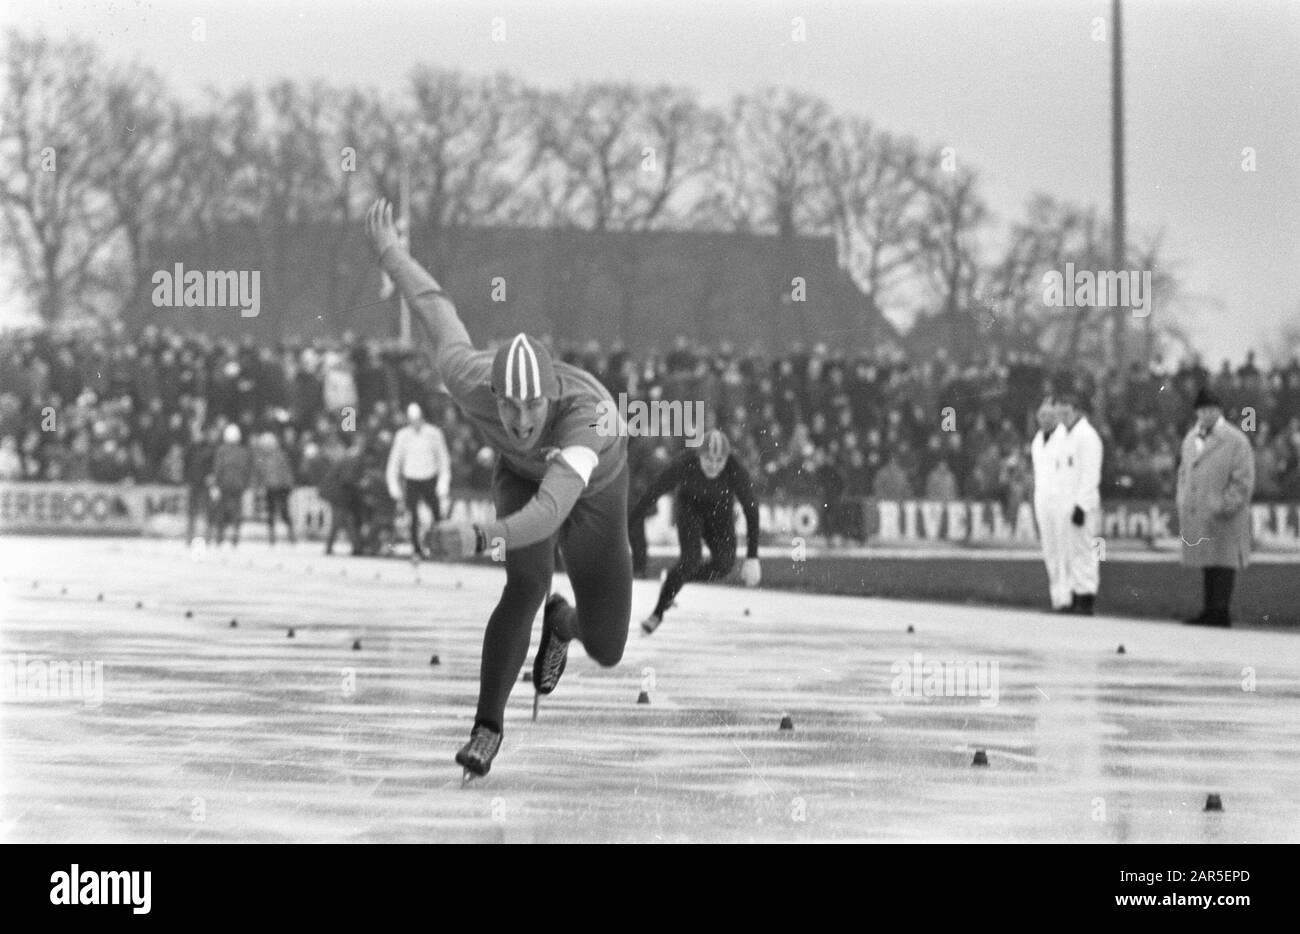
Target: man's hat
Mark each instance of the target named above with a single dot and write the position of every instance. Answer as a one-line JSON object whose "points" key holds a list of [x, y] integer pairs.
{"points": [[523, 370], [1205, 398]]}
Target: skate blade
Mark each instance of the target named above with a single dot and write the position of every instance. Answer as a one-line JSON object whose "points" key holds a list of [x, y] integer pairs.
{"points": [[537, 703], [469, 777]]}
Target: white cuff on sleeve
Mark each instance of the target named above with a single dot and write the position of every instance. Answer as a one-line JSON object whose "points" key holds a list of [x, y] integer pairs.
{"points": [[583, 460]]}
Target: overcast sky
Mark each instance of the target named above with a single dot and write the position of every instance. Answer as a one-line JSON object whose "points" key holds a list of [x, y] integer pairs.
{"points": [[1019, 88]]}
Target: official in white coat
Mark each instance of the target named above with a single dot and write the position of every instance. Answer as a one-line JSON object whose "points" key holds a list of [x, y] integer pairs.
{"points": [[419, 470], [1051, 512], [1081, 450]]}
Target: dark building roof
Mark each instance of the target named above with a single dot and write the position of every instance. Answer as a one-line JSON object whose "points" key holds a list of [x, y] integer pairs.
{"points": [[642, 287]]}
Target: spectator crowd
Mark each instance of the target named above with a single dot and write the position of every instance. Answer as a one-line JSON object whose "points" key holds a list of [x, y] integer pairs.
{"points": [[811, 423]]}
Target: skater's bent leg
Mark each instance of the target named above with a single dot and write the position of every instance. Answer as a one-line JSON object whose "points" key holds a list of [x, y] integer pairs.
{"points": [[640, 550], [528, 580], [675, 579], [505, 644], [720, 536], [599, 563], [602, 592], [689, 530]]}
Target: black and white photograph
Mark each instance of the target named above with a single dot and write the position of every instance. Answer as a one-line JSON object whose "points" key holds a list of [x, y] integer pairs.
{"points": [[652, 421]]}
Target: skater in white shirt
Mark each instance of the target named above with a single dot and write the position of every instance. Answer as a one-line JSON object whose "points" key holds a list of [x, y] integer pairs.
{"points": [[1081, 494], [1052, 512]]}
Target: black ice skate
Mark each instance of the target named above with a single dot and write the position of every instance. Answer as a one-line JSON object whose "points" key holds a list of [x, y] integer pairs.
{"points": [[476, 756], [552, 652], [651, 623]]}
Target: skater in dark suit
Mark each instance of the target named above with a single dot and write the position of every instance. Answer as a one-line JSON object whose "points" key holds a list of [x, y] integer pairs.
{"points": [[707, 483], [1216, 478], [560, 478]]}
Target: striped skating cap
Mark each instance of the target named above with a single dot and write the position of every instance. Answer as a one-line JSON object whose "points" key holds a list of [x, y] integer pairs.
{"points": [[523, 370]]}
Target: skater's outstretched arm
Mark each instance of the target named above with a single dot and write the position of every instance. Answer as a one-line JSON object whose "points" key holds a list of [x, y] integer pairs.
{"points": [[666, 482], [542, 516], [435, 312]]}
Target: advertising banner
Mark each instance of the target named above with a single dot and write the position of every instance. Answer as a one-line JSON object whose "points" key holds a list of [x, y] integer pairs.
{"points": [[90, 508], [157, 510]]}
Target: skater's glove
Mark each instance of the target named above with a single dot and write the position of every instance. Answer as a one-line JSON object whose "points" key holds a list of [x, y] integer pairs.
{"points": [[1078, 516], [460, 540], [751, 573]]}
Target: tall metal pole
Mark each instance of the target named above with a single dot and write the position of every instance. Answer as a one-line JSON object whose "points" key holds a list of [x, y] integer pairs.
{"points": [[1119, 251]]}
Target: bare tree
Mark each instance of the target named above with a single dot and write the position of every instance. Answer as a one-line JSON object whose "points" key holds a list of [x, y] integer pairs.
{"points": [[464, 142], [769, 178], [947, 232], [1054, 233], [355, 117], [614, 156], [463, 138], [53, 133], [874, 193], [141, 174]]}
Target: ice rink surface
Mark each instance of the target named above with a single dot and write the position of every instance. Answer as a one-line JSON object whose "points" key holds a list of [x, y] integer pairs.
{"points": [[208, 733]]}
